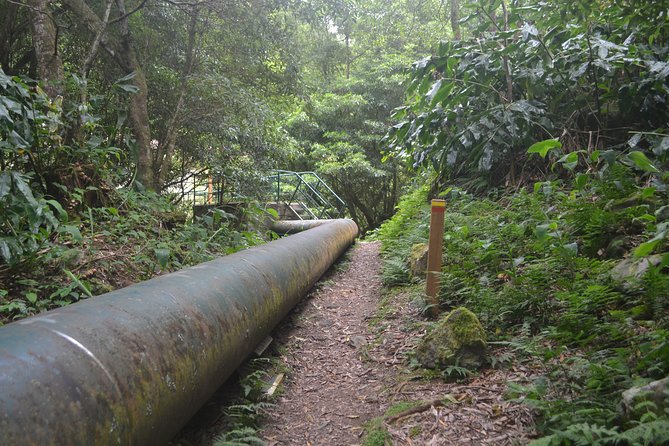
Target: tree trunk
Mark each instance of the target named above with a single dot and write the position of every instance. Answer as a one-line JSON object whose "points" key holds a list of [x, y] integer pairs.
{"points": [[348, 56], [7, 35], [123, 53], [455, 20], [139, 104], [45, 43], [167, 147]]}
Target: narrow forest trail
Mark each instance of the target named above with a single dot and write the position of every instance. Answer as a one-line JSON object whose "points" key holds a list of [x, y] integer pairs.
{"points": [[345, 348]]}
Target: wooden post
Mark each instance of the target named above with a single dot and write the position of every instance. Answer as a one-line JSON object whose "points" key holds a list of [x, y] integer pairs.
{"points": [[434, 255]]}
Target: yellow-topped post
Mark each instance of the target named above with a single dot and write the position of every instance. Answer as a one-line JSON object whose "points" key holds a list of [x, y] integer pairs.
{"points": [[434, 255]]}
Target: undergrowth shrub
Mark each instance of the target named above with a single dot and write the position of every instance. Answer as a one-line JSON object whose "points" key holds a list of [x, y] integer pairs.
{"points": [[400, 233], [539, 269], [104, 248]]}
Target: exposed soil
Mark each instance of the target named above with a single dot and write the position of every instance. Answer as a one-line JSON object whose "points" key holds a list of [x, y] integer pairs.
{"points": [[348, 356]]}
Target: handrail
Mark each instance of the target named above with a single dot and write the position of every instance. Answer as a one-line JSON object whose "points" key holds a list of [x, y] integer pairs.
{"points": [[312, 192]]}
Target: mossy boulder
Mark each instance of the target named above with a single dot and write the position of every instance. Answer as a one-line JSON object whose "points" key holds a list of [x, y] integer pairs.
{"points": [[653, 397], [418, 260], [629, 271], [458, 339]]}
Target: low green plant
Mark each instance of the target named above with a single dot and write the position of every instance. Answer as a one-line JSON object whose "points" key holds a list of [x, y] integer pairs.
{"points": [[376, 434], [243, 436], [540, 270]]}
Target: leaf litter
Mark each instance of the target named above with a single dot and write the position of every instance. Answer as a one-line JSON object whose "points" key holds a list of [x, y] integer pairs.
{"points": [[349, 368]]}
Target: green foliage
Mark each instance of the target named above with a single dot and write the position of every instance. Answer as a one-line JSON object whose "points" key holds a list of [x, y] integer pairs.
{"points": [[538, 270], [376, 434], [244, 436], [651, 433], [27, 221], [242, 418], [111, 247], [340, 133], [400, 233], [533, 72]]}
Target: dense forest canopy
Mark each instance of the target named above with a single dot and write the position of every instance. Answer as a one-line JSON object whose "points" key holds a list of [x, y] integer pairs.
{"points": [[101, 96], [115, 114], [154, 95], [166, 89]]}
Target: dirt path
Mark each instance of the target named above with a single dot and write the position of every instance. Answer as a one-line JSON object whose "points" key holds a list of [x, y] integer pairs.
{"points": [[347, 366], [332, 389]]}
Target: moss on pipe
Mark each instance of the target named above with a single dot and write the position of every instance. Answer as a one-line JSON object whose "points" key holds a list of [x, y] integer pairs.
{"points": [[133, 366]]}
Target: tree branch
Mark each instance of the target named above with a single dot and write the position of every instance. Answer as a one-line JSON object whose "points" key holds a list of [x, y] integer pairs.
{"points": [[85, 68], [128, 14]]}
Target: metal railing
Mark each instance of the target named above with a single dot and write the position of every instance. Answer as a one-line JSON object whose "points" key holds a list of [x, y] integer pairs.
{"points": [[306, 195]]}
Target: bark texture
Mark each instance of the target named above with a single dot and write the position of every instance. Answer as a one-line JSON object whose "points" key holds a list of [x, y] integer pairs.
{"points": [[455, 20], [45, 43], [121, 50]]}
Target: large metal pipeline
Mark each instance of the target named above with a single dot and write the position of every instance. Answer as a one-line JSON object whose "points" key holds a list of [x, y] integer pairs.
{"points": [[133, 366], [284, 227]]}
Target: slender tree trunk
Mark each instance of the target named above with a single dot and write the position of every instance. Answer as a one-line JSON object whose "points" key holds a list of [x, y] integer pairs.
{"points": [[139, 122], [123, 53], [85, 68], [348, 56], [138, 109], [167, 147], [45, 43], [507, 70], [7, 35], [455, 20]]}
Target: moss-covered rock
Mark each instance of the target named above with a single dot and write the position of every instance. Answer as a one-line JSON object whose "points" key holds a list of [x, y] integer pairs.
{"points": [[637, 401], [458, 339], [418, 260]]}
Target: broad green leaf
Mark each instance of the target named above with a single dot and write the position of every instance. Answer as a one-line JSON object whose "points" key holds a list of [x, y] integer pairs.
{"points": [[570, 161], [581, 180], [648, 192], [31, 297], [647, 217], [61, 212], [642, 162], [4, 79], [5, 183], [610, 156], [18, 141], [163, 256], [11, 105], [73, 231], [543, 147], [662, 146], [4, 113], [5, 251], [24, 189], [571, 248], [645, 249], [272, 212], [541, 232], [433, 91], [443, 92], [94, 142], [129, 88]]}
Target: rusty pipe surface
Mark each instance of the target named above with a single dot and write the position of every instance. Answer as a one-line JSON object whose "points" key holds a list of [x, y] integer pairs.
{"points": [[133, 366]]}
